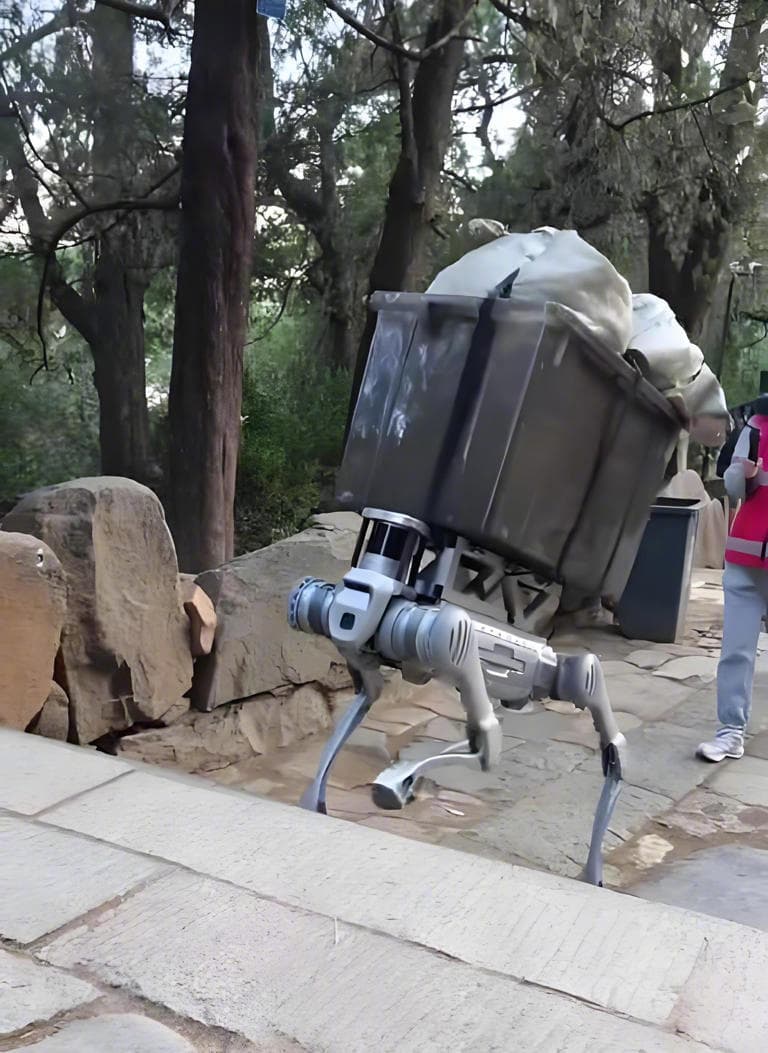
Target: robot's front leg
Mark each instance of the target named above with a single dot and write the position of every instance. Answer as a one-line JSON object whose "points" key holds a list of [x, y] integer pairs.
{"points": [[442, 640], [368, 683], [580, 680], [395, 786]]}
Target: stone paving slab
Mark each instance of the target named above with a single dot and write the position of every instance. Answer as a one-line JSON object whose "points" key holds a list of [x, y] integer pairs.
{"points": [[48, 878], [590, 943], [728, 881], [552, 826], [746, 782], [30, 992], [33, 777], [542, 725], [221, 955], [662, 758], [113, 1033], [644, 696], [757, 746]]}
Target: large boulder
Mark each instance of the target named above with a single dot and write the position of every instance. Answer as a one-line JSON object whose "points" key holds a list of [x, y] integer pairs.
{"points": [[52, 721], [254, 650], [32, 602], [125, 655]]}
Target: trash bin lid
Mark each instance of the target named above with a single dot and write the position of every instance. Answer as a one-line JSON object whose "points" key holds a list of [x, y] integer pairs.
{"points": [[676, 505]]}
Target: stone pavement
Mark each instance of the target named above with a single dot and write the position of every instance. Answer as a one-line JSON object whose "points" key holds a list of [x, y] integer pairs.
{"points": [[147, 912], [684, 832]]}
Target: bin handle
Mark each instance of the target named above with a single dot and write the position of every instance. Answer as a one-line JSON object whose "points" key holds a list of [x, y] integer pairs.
{"points": [[421, 303]]}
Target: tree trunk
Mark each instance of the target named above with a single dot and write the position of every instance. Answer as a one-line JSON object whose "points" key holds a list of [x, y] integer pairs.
{"points": [[119, 285], [425, 124], [688, 285], [117, 346], [217, 226]]}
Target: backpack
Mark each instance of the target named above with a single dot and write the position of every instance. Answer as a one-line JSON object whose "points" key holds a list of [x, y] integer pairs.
{"points": [[740, 418]]}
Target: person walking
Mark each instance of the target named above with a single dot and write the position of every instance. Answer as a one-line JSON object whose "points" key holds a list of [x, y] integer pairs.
{"points": [[745, 584]]}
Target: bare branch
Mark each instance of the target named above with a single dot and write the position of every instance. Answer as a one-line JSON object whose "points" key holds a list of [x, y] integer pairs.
{"points": [[53, 25], [283, 305], [461, 180], [492, 103], [521, 18], [162, 15], [370, 34], [68, 300], [393, 46], [29, 141], [688, 105]]}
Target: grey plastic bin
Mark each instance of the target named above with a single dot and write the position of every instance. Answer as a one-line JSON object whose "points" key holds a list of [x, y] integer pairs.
{"points": [[655, 601], [514, 430]]}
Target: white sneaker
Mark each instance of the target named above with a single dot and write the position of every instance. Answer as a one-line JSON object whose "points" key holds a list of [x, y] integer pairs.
{"points": [[728, 742]]}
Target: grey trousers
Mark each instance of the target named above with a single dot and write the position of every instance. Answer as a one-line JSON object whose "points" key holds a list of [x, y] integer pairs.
{"points": [[746, 602]]}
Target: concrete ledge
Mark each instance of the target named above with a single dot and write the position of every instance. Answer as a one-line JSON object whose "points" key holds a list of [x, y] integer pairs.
{"points": [[261, 918]]}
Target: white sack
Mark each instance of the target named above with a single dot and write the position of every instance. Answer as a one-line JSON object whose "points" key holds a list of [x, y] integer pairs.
{"points": [[677, 369], [664, 344], [554, 266]]}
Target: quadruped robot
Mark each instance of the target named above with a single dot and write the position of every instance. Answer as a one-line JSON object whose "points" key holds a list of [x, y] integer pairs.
{"points": [[486, 441], [389, 611]]}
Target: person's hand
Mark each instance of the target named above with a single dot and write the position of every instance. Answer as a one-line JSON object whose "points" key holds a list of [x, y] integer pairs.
{"points": [[751, 469]]}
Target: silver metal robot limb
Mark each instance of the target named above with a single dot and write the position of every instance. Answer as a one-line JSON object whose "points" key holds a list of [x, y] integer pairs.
{"points": [[376, 620], [368, 683], [442, 642], [580, 680]]}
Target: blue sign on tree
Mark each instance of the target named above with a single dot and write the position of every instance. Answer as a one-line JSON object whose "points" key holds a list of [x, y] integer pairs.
{"points": [[272, 9]]}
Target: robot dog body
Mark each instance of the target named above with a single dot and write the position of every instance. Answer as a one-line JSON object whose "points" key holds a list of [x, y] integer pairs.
{"points": [[489, 440], [389, 611]]}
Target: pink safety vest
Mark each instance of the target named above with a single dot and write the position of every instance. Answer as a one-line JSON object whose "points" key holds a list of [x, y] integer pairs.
{"points": [[747, 542]]}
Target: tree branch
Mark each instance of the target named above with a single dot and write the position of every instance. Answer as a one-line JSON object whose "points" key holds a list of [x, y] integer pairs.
{"points": [[521, 18], [390, 45], [688, 105], [59, 21], [370, 34], [68, 300], [154, 14], [492, 103]]}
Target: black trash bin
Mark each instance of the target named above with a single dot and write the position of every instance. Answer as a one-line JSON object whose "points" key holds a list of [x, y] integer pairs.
{"points": [[655, 600]]}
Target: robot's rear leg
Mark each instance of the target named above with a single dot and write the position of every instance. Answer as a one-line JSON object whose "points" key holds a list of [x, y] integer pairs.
{"points": [[580, 680]]}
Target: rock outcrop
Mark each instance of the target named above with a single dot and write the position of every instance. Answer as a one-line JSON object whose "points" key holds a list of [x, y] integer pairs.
{"points": [[201, 613], [53, 719], [32, 603], [125, 654], [254, 651], [204, 742]]}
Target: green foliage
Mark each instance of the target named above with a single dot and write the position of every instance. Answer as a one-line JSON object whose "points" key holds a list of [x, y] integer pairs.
{"points": [[293, 423], [158, 334], [746, 358], [49, 426]]}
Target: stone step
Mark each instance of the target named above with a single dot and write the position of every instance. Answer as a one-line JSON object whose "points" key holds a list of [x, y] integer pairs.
{"points": [[264, 919]]}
